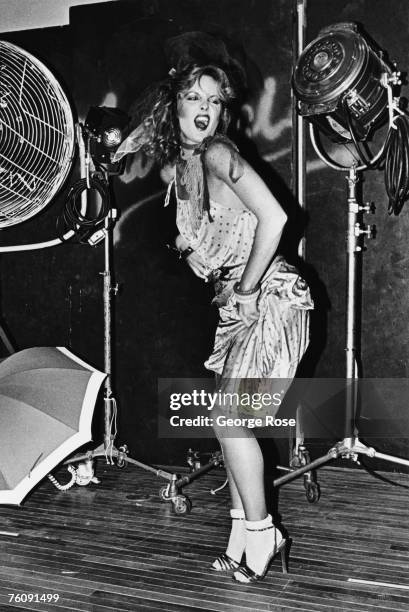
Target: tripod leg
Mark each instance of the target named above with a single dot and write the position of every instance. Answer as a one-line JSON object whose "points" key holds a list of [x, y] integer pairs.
{"points": [[6, 341], [294, 461]]}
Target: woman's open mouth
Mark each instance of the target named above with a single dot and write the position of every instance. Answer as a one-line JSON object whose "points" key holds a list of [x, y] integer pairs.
{"points": [[202, 122]]}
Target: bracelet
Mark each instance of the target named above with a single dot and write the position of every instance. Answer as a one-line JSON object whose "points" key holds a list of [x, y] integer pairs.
{"points": [[253, 290], [185, 254], [246, 299]]}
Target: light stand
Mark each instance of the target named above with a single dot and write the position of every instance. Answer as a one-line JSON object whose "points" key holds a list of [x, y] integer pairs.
{"points": [[350, 447], [172, 492], [110, 290]]}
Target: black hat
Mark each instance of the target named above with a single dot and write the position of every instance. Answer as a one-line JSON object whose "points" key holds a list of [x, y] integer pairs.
{"points": [[203, 48]]}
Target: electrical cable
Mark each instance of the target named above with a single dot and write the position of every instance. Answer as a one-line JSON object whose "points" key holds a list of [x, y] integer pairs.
{"points": [[37, 245], [72, 215], [375, 474], [69, 484], [394, 157], [397, 164]]}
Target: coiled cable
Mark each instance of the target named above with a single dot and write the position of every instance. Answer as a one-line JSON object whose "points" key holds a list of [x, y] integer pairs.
{"points": [[73, 217], [397, 164], [67, 485], [394, 158]]}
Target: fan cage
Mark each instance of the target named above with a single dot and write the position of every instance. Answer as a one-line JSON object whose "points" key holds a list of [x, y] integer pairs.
{"points": [[37, 135]]}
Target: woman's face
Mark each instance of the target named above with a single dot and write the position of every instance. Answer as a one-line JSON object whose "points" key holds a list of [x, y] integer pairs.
{"points": [[199, 110]]}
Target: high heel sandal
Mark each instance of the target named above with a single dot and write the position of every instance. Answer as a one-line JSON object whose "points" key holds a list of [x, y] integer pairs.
{"points": [[225, 564], [251, 576]]}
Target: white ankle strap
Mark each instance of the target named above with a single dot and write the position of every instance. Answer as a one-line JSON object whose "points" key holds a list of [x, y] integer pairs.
{"points": [[266, 523]]}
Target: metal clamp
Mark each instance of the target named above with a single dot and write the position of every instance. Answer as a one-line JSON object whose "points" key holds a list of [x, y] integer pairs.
{"points": [[368, 207], [367, 230]]}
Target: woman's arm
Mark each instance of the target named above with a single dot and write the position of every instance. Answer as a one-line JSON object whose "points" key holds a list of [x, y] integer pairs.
{"points": [[254, 195], [193, 260], [229, 172]]}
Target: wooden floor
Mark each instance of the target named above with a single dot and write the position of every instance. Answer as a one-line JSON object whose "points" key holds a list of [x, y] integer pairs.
{"points": [[116, 546]]}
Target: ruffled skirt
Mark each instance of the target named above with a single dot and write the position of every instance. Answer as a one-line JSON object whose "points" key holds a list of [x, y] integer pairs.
{"points": [[274, 344]]}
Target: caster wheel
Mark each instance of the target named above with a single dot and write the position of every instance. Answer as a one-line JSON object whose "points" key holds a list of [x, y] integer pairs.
{"points": [[164, 493], [181, 505], [312, 492], [121, 461]]}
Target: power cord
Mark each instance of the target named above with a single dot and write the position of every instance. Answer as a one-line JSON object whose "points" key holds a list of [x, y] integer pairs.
{"points": [[397, 164], [394, 158], [75, 218]]}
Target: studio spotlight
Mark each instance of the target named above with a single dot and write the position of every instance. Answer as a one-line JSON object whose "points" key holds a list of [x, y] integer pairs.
{"points": [[346, 89], [340, 83], [106, 129]]}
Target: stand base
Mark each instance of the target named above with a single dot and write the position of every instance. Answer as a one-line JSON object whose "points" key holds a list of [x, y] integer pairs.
{"points": [[348, 448], [171, 492]]}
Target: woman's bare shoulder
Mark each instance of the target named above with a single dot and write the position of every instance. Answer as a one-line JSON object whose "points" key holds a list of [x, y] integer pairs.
{"points": [[222, 159]]}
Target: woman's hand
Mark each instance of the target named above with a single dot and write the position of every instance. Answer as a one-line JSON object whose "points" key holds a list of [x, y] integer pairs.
{"points": [[181, 243], [248, 313], [195, 262]]}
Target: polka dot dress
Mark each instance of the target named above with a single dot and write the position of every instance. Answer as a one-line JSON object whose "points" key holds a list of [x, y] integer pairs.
{"points": [[274, 344]]}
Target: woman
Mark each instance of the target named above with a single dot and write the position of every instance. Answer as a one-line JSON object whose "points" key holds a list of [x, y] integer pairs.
{"points": [[229, 229]]}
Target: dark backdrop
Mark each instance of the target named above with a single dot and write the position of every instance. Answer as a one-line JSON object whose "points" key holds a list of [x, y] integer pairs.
{"points": [[164, 323]]}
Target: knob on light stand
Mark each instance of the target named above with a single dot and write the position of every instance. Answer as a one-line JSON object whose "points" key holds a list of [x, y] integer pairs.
{"points": [[345, 88]]}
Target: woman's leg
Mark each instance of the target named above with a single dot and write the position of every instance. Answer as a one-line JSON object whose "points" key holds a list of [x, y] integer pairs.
{"points": [[245, 465], [237, 538], [243, 460], [234, 492], [245, 470]]}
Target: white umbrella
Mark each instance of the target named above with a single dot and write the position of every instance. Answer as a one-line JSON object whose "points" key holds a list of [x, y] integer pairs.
{"points": [[47, 399]]}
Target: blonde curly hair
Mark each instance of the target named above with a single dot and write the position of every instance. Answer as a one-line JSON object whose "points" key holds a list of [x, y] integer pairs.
{"points": [[156, 110]]}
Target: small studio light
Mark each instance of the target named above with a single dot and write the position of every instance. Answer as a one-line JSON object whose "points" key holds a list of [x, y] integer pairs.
{"points": [[112, 137], [106, 128]]}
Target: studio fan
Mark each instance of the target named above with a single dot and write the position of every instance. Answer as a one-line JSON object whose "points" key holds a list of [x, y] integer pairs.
{"points": [[37, 135]]}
